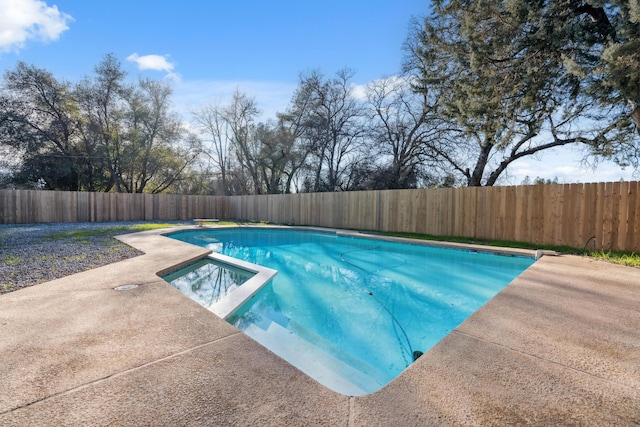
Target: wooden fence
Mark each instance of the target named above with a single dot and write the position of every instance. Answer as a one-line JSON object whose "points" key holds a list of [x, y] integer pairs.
{"points": [[31, 206], [561, 214]]}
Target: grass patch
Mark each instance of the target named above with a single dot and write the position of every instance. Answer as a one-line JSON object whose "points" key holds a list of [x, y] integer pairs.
{"points": [[41, 258], [75, 258], [12, 260], [83, 234], [630, 259]]}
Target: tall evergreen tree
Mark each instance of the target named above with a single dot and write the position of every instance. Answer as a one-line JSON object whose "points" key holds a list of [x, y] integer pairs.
{"points": [[516, 78]]}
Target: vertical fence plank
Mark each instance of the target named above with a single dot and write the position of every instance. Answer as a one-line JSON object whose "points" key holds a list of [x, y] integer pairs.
{"points": [[509, 213], [448, 214], [401, 213], [577, 216], [483, 211], [385, 209], [598, 209], [456, 206], [469, 209], [604, 206], [527, 218], [622, 216], [499, 208], [614, 210], [589, 212], [82, 207], [490, 215], [548, 214], [632, 242], [636, 241], [7, 207], [537, 214], [557, 207]]}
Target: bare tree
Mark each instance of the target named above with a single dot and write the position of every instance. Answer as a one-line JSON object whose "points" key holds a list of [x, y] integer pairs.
{"points": [[214, 129], [403, 127], [240, 116], [281, 157], [331, 123]]}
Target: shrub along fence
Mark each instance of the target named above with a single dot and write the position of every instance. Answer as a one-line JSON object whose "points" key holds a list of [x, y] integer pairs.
{"points": [[557, 214]]}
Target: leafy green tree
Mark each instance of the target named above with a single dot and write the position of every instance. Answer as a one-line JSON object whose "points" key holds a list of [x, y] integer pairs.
{"points": [[516, 78], [98, 135], [602, 47], [101, 100], [154, 151], [38, 119]]}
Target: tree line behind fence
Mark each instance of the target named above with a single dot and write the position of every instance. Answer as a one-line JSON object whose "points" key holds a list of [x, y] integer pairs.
{"points": [[563, 214]]}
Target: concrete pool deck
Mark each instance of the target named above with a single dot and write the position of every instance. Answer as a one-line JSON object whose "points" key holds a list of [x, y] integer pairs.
{"points": [[559, 346]]}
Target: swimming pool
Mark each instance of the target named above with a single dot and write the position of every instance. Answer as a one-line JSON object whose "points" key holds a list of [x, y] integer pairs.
{"points": [[354, 312]]}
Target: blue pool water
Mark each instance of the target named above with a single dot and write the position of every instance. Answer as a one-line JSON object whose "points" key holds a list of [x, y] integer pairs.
{"points": [[351, 312]]}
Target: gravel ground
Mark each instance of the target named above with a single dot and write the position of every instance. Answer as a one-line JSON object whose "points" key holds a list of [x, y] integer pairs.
{"points": [[36, 253]]}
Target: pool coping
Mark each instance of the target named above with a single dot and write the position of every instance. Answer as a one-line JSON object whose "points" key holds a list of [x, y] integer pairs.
{"points": [[225, 307], [559, 345]]}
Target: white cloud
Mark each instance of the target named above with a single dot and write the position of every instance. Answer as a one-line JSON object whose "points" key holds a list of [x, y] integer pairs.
{"points": [[359, 92], [151, 62], [25, 20], [156, 63]]}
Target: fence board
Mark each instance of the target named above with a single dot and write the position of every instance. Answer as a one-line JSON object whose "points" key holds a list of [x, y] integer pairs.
{"points": [[471, 208], [509, 211], [606, 198], [622, 217], [598, 224], [589, 212], [613, 209], [576, 217], [633, 218]]}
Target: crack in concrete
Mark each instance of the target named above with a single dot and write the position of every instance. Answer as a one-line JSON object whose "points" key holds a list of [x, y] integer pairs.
{"points": [[545, 360], [118, 374]]}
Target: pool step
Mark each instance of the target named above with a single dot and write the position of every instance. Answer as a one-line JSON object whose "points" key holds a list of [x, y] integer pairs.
{"points": [[336, 351], [314, 361]]}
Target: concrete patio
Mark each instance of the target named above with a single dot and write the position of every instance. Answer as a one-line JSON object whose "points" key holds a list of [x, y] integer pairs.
{"points": [[559, 346]]}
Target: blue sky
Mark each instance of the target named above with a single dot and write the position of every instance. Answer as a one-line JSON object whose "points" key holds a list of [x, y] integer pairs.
{"points": [[222, 40], [208, 49]]}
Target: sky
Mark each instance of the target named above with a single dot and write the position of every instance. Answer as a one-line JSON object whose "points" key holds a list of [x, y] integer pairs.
{"points": [[207, 49]]}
